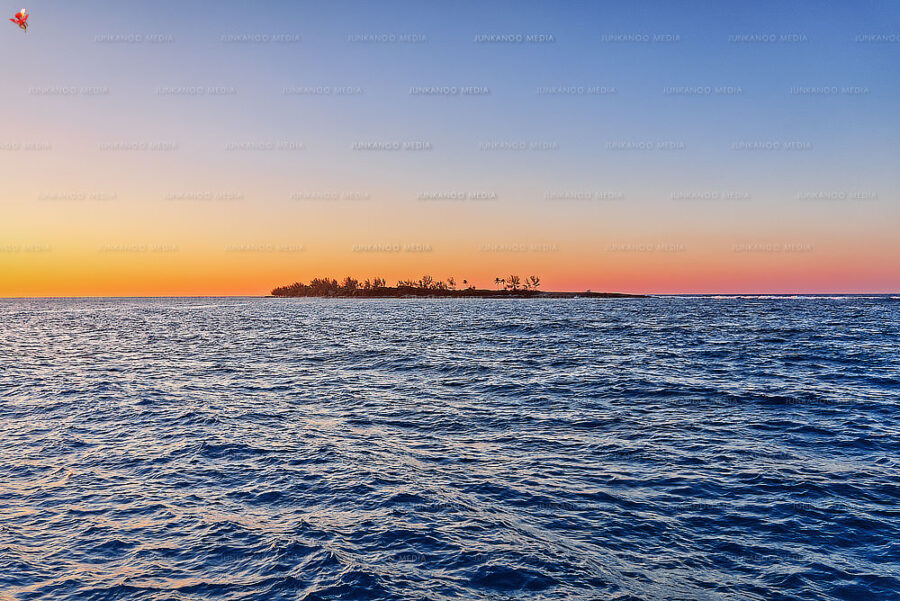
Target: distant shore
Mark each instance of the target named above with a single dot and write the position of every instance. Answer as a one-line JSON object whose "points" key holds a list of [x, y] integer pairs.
{"points": [[511, 286], [394, 293]]}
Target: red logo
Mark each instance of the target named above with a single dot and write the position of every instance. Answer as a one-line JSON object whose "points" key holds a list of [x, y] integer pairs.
{"points": [[21, 19]]}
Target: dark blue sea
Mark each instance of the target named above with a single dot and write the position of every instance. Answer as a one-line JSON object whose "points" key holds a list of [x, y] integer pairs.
{"points": [[666, 448]]}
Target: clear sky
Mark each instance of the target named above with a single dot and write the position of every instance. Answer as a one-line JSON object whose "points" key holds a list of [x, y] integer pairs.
{"points": [[190, 148]]}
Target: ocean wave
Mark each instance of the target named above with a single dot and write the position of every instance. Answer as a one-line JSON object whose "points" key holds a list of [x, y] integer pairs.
{"points": [[695, 447]]}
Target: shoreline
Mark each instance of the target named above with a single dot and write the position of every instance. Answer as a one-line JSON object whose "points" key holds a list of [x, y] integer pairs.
{"points": [[470, 293], [548, 294]]}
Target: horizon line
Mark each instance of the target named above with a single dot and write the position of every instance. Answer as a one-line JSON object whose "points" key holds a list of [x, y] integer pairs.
{"points": [[651, 294]]}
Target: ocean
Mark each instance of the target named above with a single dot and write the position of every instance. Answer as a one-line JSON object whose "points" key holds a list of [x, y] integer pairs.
{"points": [[676, 448]]}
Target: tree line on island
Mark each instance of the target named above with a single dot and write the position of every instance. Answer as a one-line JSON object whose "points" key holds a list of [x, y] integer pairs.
{"points": [[511, 285]]}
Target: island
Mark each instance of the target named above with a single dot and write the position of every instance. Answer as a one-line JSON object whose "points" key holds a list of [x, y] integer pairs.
{"points": [[509, 287]]}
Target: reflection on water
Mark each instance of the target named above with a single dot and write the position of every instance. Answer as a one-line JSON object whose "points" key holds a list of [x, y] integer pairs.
{"points": [[667, 448]]}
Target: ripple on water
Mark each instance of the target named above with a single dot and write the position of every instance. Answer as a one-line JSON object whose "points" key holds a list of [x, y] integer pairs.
{"points": [[668, 448]]}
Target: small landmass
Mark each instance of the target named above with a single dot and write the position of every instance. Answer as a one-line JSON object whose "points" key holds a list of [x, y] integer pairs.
{"points": [[511, 286]]}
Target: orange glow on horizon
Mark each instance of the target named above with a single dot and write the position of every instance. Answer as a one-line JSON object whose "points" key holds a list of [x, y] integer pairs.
{"points": [[151, 269]]}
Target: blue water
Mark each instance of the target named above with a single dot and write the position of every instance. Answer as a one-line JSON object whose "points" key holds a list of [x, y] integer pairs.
{"points": [[665, 448]]}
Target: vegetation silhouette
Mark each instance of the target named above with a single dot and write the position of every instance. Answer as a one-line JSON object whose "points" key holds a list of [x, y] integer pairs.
{"points": [[512, 286]]}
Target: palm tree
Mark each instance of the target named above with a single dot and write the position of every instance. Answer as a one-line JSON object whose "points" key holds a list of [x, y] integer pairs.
{"points": [[512, 282], [535, 281], [500, 282]]}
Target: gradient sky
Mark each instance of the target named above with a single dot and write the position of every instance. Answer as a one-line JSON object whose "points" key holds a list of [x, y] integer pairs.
{"points": [[173, 148]]}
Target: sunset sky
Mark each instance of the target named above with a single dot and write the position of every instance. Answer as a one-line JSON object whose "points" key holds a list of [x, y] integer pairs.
{"points": [[194, 148]]}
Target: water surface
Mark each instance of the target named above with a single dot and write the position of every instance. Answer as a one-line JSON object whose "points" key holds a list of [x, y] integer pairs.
{"points": [[665, 448]]}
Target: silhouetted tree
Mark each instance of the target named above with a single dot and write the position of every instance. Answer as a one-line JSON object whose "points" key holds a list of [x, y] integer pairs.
{"points": [[322, 286], [352, 287]]}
